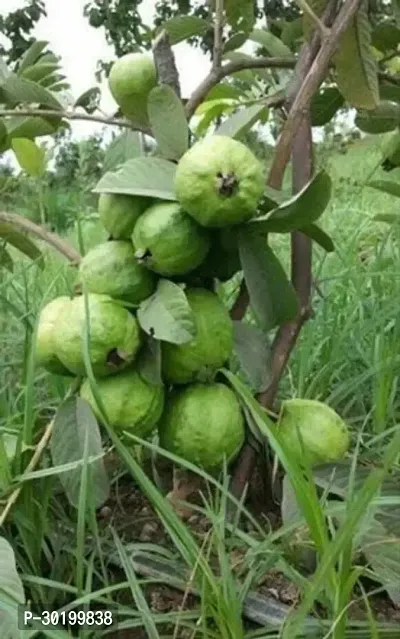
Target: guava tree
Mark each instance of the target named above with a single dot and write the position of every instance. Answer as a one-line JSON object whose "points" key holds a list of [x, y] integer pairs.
{"points": [[322, 58]]}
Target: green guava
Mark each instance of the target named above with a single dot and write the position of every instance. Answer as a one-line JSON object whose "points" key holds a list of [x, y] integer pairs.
{"points": [[119, 213], [313, 430], [219, 182], [222, 260], [168, 241], [114, 335], [203, 424], [199, 359], [46, 350], [129, 401], [112, 268], [130, 80]]}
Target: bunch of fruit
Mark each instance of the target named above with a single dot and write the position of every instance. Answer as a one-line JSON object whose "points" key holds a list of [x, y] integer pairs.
{"points": [[218, 186]]}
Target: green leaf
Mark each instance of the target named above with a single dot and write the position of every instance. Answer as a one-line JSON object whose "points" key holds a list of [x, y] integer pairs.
{"points": [[272, 296], [123, 147], [325, 105], [73, 424], [386, 117], [149, 362], [11, 592], [241, 122], [20, 241], [270, 42], [389, 218], [386, 37], [301, 210], [31, 55], [31, 158], [166, 315], [38, 72], [390, 92], [223, 92], [318, 6], [168, 122], [247, 75], [235, 42], [319, 236], [386, 186], [210, 110], [382, 551], [148, 176], [89, 100], [30, 128], [183, 27], [254, 355], [6, 259], [3, 133], [240, 14], [356, 67], [4, 71], [23, 91]]}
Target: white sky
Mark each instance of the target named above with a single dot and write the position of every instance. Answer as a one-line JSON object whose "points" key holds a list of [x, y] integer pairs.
{"points": [[80, 46]]}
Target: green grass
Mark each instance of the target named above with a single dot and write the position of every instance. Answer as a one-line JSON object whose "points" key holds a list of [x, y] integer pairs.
{"points": [[347, 356]]}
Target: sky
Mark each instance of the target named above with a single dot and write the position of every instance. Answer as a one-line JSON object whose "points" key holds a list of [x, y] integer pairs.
{"points": [[81, 46]]}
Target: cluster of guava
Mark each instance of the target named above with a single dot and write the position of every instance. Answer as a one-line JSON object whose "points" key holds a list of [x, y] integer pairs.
{"points": [[218, 185]]}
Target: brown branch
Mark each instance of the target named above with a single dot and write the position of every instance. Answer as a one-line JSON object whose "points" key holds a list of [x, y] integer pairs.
{"points": [[216, 75], [164, 60], [312, 81], [218, 29], [71, 115], [50, 238], [239, 307]]}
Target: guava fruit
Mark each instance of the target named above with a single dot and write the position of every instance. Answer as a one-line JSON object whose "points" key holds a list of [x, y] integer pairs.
{"points": [[114, 335], [130, 80], [313, 430], [129, 401], [203, 423], [46, 349], [119, 213], [168, 241], [219, 182], [200, 358], [222, 260], [112, 268]]}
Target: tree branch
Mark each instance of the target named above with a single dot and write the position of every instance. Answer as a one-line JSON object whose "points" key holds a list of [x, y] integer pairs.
{"points": [[72, 115], [218, 29], [164, 60], [312, 81], [50, 238]]}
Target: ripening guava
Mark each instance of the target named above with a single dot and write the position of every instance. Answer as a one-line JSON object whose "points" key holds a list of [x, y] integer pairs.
{"points": [[118, 213], [203, 423], [168, 241], [219, 182], [130, 402], [199, 359], [46, 350], [114, 335], [222, 260], [313, 430], [112, 268], [130, 80]]}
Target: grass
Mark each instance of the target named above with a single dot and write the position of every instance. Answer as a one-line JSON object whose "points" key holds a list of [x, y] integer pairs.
{"points": [[347, 356]]}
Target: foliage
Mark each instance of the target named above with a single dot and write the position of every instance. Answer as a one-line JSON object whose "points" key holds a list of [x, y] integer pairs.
{"points": [[17, 25]]}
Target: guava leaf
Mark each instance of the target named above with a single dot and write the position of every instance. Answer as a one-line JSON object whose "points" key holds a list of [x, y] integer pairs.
{"points": [[20, 90], [356, 68], [123, 147], [183, 27], [325, 105], [272, 296], [235, 42], [89, 100], [6, 259], [168, 122], [20, 241], [319, 236], [382, 551], [389, 92], [386, 37], [38, 72], [270, 42], [240, 14], [31, 55], [241, 122], [247, 75], [388, 218], [212, 109], [30, 128], [11, 592], [3, 134], [166, 315], [148, 176], [73, 423], [301, 210], [149, 362], [386, 186], [30, 156], [254, 354], [386, 117], [223, 92]]}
